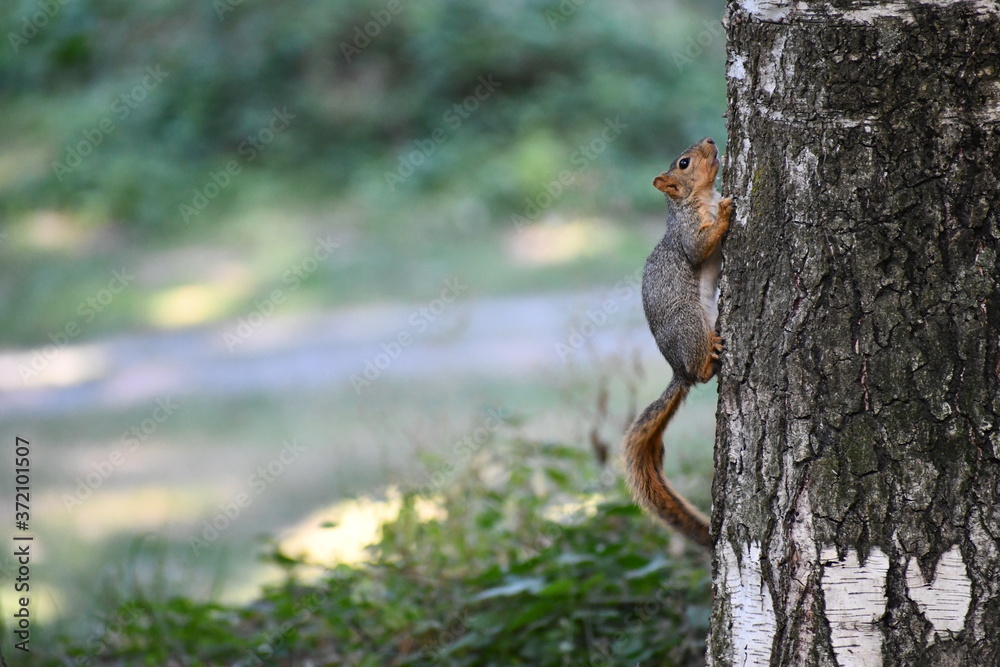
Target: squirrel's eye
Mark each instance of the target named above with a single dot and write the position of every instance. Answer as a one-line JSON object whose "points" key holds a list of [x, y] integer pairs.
{"points": [[683, 164]]}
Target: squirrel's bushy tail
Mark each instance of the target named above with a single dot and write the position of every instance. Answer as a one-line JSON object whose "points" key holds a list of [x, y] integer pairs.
{"points": [[644, 462]]}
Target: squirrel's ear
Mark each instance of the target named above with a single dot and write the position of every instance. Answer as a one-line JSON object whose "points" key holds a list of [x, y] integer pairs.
{"points": [[668, 185]]}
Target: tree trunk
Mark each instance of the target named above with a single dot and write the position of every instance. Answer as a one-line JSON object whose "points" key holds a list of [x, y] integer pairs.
{"points": [[857, 488]]}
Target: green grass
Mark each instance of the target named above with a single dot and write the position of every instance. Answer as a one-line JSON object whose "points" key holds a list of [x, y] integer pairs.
{"points": [[204, 454], [492, 577]]}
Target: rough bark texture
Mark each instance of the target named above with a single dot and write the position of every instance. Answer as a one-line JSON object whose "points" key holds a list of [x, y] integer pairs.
{"points": [[857, 487]]}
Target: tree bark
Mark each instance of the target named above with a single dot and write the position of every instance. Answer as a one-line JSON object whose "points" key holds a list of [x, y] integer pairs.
{"points": [[857, 486]]}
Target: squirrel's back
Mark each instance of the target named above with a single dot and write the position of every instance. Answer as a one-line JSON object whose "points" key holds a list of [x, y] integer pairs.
{"points": [[671, 293]]}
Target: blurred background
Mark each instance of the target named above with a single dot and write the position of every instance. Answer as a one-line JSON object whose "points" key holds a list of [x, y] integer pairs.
{"points": [[260, 260]]}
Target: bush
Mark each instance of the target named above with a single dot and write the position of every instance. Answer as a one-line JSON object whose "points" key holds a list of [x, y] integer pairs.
{"points": [[528, 560], [361, 103]]}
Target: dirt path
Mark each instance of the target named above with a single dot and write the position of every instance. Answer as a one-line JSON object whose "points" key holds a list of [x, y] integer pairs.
{"points": [[503, 337]]}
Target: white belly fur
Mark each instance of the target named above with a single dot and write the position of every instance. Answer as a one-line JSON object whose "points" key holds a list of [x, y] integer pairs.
{"points": [[708, 278], [708, 287]]}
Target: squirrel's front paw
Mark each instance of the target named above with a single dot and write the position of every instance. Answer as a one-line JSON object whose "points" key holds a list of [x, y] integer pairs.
{"points": [[725, 211]]}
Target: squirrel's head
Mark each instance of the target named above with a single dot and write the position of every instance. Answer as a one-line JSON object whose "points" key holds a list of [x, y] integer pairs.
{"points": [[693, 171]]}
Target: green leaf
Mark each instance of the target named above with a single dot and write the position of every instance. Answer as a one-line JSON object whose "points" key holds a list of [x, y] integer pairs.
{"points": [[632, 561], [657, 563], [534, 612], [515, 587], [558, 476], [573, 558], [557, 588]]}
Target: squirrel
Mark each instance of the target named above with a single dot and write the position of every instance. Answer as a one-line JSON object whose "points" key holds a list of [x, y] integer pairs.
{"points": [[679, 296]]}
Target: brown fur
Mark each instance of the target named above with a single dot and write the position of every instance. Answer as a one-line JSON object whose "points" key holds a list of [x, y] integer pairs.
{"points": [[644, 452], [681, 323]]}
